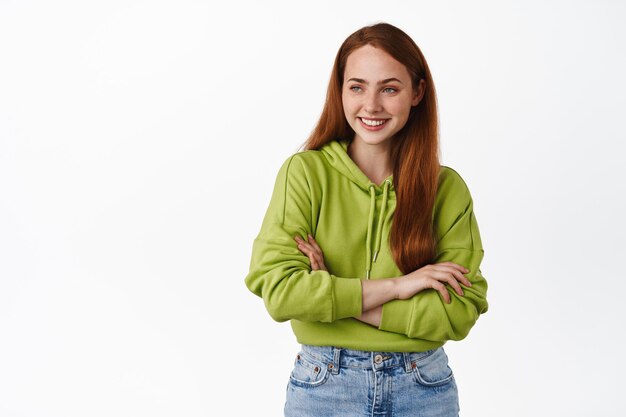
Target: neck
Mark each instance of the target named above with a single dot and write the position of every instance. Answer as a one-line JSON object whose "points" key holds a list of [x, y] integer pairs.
{"points": [[373, 160]]}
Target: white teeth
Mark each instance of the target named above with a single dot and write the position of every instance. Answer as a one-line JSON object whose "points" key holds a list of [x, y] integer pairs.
{"points": [[373, 122]]}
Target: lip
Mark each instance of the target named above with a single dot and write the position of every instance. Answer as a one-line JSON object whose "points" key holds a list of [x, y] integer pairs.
{"points": [[372, 128]]}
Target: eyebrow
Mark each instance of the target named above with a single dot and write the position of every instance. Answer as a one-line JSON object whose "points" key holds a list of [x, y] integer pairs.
{"points": [[385, 81]]}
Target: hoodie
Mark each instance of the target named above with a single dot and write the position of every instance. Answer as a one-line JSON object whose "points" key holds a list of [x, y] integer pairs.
{"points": [[324, 193]]}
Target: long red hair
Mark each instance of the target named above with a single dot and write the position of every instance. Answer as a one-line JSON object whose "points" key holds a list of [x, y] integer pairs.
{"points": [[414, 149]]}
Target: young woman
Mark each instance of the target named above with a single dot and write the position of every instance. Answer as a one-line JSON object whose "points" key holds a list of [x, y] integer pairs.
{"points": [[399, 274]]}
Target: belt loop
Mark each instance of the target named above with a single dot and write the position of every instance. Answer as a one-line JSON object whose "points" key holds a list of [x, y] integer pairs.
{"points": [[336, 360], [407, 361]]}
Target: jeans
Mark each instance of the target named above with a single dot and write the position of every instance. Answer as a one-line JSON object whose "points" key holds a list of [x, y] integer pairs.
{"points": [[333, 381]]}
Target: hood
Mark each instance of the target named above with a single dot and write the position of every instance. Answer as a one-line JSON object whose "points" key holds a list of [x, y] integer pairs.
{"points": [[336, 153]]}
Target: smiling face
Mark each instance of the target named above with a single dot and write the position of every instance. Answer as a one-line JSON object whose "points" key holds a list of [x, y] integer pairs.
{"points": [[377, 94]]}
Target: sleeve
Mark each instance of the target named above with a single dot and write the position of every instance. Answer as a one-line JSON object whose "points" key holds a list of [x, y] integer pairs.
{"points": [[281, 274], [426, 315]]}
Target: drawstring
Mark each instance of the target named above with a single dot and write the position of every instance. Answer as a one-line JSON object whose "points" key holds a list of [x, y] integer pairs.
{"points": [[368, 240], [381, 218], [370, 221]]}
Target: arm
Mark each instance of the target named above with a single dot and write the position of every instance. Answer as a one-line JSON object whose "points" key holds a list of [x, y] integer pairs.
{"points": [[426, 315], [280, 273], [372, 316], [375, 292]]}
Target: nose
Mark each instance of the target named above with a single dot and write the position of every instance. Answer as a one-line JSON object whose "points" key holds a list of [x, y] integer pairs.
{"points": [[372, 103]]}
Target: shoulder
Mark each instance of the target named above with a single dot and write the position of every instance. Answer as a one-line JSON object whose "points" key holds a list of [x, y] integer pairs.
{"points": [[453, 214], [450, 177], [300, 172], [309, 157], [453, 198], [452, 185], [302, 163]]}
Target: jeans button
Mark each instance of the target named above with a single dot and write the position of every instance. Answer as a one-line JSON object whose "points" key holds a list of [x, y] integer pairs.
{"points": [[378, 358]]}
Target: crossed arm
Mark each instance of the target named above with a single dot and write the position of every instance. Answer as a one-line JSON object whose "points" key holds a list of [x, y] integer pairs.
{"points": [[378, 292]]}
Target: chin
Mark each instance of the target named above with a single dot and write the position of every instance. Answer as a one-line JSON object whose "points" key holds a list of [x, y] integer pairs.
{"points": [[373, 140]]}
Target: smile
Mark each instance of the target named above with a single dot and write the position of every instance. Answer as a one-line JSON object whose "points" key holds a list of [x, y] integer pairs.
{"points": [[373, 124]]}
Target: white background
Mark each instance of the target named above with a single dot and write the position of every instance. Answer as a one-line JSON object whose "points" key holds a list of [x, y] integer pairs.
{"points": [[139, 143]]}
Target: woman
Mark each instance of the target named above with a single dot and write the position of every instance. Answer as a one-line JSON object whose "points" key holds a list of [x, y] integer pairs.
{"points": [[399, 274]]}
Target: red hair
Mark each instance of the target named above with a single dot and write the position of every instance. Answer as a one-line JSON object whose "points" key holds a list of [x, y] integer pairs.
{"points": [[414, 149]]}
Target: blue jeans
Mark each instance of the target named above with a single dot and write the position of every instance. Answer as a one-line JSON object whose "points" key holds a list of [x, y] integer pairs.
{"points": [[333, 381]]}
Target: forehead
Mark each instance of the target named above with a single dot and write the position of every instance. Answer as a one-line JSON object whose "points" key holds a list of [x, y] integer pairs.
{"points": [[374, 64]]}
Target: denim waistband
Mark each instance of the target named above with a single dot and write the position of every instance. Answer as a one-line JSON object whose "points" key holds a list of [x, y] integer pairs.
{"points": [[335, 357]]}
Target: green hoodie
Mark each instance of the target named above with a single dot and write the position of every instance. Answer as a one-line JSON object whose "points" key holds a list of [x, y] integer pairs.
{"points": [[324, 193]]}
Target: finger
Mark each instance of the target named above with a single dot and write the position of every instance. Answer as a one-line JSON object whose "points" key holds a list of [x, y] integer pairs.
{"points": [[462, 278], [299, 239], [314, 264], [442, 290], [452, 269], [314, 243], [304, 244], [450, 279], [454, 265], [316, 249], [305, 249], [316, 259]]}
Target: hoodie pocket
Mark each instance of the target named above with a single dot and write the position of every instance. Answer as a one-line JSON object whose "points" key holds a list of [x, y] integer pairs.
{"points": [[308, 372]]}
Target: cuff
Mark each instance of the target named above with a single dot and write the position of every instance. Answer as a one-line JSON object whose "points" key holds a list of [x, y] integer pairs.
{"points": [[395, 315], [347, 297]]}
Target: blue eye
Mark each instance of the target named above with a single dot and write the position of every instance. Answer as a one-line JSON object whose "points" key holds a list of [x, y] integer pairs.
{"points": [[353, 87], [393, 90]]}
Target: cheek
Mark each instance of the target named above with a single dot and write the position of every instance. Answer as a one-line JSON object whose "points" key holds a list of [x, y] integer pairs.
{"points": [[401, 108], [349, 106]]}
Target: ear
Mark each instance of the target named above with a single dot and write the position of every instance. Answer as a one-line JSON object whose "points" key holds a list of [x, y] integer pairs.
{"points": [[418, 93]]}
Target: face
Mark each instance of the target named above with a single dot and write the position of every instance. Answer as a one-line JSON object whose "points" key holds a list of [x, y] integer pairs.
{"points": [[377, 95]]}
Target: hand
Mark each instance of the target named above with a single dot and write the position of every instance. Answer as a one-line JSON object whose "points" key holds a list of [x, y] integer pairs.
{"points": [[433, 276], [313, 251]]}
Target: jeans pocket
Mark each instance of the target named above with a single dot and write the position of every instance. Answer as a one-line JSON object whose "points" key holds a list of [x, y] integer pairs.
{"points": [[308, 372], [432, 370]]}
